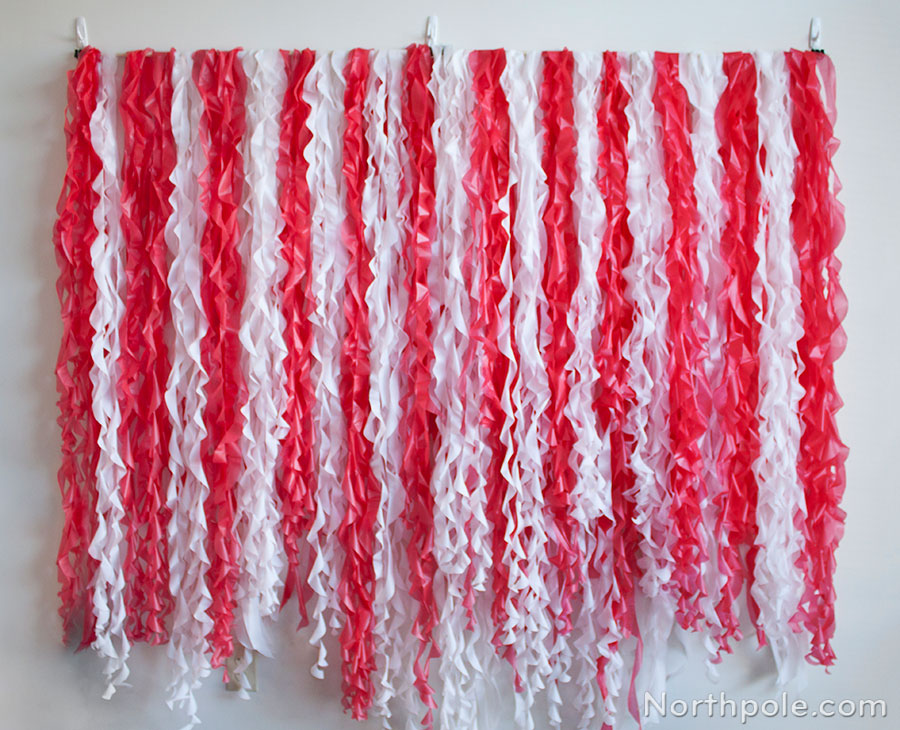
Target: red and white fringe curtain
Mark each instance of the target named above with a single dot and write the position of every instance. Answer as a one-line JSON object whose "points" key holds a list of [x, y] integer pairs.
{"points": [[504, 367]]}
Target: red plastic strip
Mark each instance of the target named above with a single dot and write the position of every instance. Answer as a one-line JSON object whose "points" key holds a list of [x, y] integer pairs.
{"points": [[149, 156], [690, 398], [738, 394], [222, 85], [614, 397], [73, 235], [817, 219], [487, 184], [363, 493], [296, 483], [419, 412], [559, 284]]}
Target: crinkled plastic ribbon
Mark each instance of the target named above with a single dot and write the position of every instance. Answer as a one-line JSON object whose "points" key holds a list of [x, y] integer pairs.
{"points": [[108, 543], [296, 479], [817, 220], [559, 283], [690, 398], [646, 425], [561, 273], [738, 393], [531, 393], [257, 512], [149, 157], [188, 488], [778, 579], [323, 92], [420, 424], [383, 217], [73, 236], [487, 185], [361, 490], [222, 85], [614, 396], [452, 513], [594, 628]]}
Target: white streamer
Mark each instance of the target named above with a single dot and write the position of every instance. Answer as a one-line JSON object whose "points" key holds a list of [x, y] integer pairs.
{"points": [[323, 91], [778, 582], [261, 334], [702, 77], [386, 303], [531, 392], [186, 400], [107, 545], [649, 219], [452, 512], [595, 629]]}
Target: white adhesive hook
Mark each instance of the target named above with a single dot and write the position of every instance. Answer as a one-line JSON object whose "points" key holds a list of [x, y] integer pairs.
{"points": [[81, 35], [431, 31], [815, 35]]}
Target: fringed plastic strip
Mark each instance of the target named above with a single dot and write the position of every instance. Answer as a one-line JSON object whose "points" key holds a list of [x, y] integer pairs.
{"points": [[531, 393], [559, 282], [148, 159], [817, 221], [452, 509], [614, 396], [703, 80], [593, 628], [737, 394], [324, 93], [108, 543], [778, 579], [360, 487], [188, 488], [384, 213], [222, 85], [487, 185], [73, 237], [296, 482], [257, 514], [647, 422], [420, 425], [690, 398], [561, 274]]}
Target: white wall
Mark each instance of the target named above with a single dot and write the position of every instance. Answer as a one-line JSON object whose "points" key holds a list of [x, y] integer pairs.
{"points": [[44, 685]]}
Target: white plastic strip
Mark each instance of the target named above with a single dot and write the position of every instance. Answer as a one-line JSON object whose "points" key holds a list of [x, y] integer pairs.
{"points": [[591, 495], [186, 399], [261, 335], [108, 546], [531, 393], [324, 93], [778, 582], [702, 77], [649, 219], [453, 102]]}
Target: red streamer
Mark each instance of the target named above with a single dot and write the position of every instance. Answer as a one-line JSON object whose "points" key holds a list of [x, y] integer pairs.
{"points": [[296, 482], [73, 235], [738, 394], [363, 493], [421, 426], [817, 219], [690, 398], [614, 397], [559, 283], [487, 184], [222, 85], [149, 157]]}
